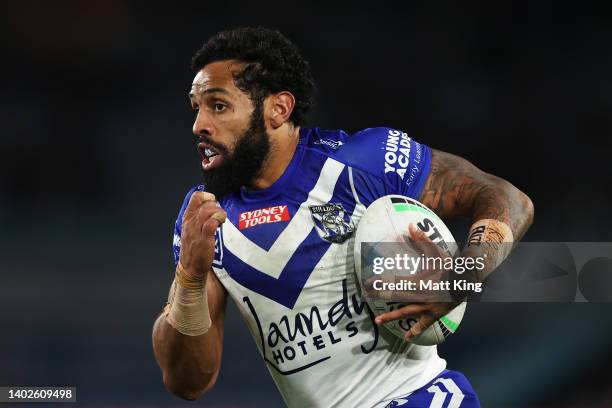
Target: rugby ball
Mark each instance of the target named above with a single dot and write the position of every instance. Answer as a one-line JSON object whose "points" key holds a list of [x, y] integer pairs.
{"points": [[386, 220]]}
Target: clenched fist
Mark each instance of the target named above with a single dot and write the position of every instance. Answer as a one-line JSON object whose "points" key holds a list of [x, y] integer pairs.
{"points": [[202, 217]]}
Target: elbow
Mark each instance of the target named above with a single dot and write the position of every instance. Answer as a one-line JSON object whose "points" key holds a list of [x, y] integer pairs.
{"points": [[188, 391], [527, 209], [523, 214], [520, 207], [187, 395]]}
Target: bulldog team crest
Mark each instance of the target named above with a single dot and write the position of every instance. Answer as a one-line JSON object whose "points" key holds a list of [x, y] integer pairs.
{"points": [[331, 221]]}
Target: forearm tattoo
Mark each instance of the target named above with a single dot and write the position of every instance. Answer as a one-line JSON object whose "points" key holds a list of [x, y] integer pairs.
{"points": [[456, 187]]}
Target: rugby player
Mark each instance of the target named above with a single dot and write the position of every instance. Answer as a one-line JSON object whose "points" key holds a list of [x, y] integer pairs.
{"points": [[272, 227]]}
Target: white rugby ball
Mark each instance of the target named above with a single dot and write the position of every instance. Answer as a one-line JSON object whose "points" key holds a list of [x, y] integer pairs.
{"points": [[387, 220]]}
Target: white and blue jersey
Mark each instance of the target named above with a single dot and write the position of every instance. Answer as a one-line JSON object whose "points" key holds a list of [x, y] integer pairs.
{"points": [[285, 256]]}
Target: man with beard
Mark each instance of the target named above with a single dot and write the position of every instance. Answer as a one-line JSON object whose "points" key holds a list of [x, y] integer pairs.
{"points": [[272, 227]]}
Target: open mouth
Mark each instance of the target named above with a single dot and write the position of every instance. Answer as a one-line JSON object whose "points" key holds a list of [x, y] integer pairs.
{"points": [[209, 152], [211, 157]]}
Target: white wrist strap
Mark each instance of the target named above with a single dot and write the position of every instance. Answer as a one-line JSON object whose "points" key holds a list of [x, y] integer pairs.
{"points": [[187, 308]]}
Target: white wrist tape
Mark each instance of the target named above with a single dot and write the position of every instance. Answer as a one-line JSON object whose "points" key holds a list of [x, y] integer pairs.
{"points": [[489, 230], [492, 234], [187, 308]]}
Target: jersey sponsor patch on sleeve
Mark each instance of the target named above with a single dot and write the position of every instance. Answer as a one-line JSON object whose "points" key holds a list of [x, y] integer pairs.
{"points": [[398, 150], [386, 161]]}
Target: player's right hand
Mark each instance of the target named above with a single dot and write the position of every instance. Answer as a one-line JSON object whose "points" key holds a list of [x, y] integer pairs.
{"points": [[200, 221]]}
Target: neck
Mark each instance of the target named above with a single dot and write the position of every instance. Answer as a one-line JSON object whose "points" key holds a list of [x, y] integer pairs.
{"points": [[284, 141]]}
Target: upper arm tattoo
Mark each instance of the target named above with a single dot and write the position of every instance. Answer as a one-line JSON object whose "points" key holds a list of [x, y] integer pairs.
{"points": [[457, 187]]}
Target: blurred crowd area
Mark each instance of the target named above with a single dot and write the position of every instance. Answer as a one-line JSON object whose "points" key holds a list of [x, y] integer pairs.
{"points": [[97, 154]]}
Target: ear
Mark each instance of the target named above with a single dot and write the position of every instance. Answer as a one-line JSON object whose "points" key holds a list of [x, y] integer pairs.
{"points": [[280, 106]]}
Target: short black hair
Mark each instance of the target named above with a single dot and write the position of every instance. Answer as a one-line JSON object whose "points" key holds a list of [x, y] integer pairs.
{"points": [[273, 64]]}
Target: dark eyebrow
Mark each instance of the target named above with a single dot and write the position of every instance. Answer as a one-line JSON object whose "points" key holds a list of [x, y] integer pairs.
{"points": [[210, 90]]}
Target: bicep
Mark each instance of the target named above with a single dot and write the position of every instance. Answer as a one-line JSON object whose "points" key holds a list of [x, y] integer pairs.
{"points": [[454, 184]]}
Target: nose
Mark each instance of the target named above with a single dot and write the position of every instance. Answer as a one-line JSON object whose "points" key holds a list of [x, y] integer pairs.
{"points": [[202, 126]]}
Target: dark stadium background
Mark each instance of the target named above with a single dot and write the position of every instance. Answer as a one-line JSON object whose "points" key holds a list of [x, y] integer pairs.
{"points": [[97, 154]]}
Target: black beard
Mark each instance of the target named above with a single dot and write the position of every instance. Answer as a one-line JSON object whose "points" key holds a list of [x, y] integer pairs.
{"points": [[243, 166]]}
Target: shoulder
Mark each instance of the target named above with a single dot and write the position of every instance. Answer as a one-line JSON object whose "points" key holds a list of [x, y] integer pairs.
{"points": [[370, 149], [378, 151], [391, 156]]}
